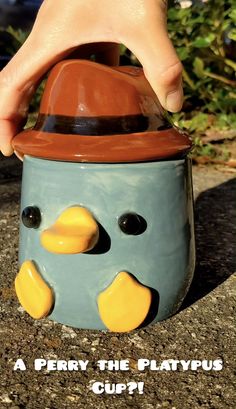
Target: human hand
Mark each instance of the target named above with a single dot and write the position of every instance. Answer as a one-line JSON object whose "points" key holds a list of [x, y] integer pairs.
{"points": [[63, 26]]}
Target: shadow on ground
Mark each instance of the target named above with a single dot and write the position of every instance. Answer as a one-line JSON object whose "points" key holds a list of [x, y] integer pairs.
{"points": [[10, 169], [215, 229]]}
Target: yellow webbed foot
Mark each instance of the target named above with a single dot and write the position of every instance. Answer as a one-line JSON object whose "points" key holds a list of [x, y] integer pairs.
{"points": [[124, 305], [35, 296]]}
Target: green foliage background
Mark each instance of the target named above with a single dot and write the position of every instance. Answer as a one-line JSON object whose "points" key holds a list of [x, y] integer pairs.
{"points": [[205, 38]]}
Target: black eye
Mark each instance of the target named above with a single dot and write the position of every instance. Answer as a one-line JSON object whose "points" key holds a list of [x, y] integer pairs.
{"points": [[31, 217], [132, 223]]}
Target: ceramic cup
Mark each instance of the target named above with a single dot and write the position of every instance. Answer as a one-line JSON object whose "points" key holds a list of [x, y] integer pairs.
{"points": [[106, 233]]}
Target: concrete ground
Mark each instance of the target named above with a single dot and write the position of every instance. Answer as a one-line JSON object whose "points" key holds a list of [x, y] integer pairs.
{"points": [[202, 330]]}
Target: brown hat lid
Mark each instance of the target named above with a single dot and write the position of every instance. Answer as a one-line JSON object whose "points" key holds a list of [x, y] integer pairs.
{"points": [[94, 113]]}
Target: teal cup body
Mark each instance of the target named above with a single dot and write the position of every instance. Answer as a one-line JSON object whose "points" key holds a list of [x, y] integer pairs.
{"points": [[160, 258], [106, 234]]}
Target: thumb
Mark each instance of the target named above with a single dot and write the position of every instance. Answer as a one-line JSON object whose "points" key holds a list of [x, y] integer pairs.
{"points": [[160, 62]]}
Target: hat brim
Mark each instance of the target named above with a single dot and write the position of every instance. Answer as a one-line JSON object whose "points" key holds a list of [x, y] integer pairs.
{"points": [[133, 147]]}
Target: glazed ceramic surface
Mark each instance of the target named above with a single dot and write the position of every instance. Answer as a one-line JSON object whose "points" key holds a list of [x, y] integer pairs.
{"points": [[106, 237], [160, 258], [90, 112]]}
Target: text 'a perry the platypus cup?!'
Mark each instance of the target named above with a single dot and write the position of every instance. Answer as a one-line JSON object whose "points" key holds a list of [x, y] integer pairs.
{"points": [[106, 234]]}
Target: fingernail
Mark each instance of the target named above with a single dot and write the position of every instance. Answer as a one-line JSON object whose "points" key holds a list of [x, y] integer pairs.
{"points": [[174, 100]]}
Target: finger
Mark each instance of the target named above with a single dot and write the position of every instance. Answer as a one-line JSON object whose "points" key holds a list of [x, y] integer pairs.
{"points": [[7, 129], [13, 114], [18, 81], [161, 64]]}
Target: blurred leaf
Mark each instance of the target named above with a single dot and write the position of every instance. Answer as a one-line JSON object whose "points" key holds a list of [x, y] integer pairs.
{"points": [[204, 41], [198, 65], [232, 34], [232, 15], [18, 34], [183, 53]]}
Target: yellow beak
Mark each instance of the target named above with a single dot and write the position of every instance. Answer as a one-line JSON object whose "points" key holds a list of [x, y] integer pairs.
{"points": [[75, 231]]}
